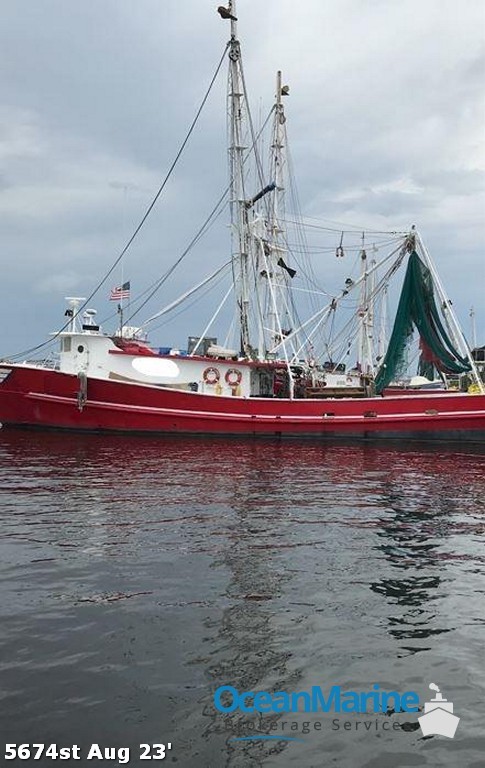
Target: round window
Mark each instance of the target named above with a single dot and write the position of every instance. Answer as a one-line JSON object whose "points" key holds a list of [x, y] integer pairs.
{"points": [[80, 348]]}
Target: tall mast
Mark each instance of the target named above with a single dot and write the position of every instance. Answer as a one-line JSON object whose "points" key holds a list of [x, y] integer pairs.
{"points": [[277, 244], [362, 355], [474, 328], [370, 319], [260, 273], [239, 214]]}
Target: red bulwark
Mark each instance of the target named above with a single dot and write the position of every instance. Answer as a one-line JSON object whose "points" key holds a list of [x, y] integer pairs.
{"points": [[39, 397]]}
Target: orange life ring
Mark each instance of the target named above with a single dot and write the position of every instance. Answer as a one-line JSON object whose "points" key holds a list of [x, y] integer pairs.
{"points": [[211, 376], [233, 377]]}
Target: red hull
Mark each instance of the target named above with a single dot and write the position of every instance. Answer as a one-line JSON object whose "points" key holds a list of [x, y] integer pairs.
{"points": [[38, 397]]}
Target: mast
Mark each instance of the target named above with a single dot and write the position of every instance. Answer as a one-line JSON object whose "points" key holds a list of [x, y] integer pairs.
{"points": [[370, 324], [366, 347], [257, 241], [239, 214], [278, 274], [474, 327], [365, 354]]}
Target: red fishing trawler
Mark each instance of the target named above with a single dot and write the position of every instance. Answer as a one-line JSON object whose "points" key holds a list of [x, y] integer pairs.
{"points": [[332, 375]]}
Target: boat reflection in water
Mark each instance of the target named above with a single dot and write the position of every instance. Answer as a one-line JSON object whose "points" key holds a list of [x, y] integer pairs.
{"points": [[138, 577]]}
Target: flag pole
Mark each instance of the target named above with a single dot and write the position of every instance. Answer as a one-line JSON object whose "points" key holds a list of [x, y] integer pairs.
{"points": [[120, 312], [125, 199]]}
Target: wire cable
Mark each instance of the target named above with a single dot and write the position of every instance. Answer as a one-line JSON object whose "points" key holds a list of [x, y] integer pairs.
{"points": [[143, 219]]}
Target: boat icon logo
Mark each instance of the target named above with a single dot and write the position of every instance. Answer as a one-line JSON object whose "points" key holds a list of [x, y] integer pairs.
{"points": [[438, 718]]}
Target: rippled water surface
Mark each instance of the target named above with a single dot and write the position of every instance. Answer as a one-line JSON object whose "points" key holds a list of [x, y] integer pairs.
{"points": [[139, 575]]}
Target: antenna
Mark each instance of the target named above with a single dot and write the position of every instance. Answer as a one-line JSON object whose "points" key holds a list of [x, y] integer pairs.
{"points": [[474, 328]]}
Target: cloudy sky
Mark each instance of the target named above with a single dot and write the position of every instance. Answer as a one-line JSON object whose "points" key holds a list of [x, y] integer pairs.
{"points": [[386, 122]]}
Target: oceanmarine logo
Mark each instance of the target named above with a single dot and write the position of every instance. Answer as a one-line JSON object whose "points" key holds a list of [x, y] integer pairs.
{"points": [[229, 699], [438, 718]]}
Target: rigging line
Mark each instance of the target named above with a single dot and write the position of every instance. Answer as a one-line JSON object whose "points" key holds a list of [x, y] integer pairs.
{"points": [[382, 283], [152, 290], [307, 267], [146, 214], [197, 298], [164, 183], [258, 313], [342, 337], [253, 149], [277, 317], [356, 231], [331, 332], [212, 320], [307, 271], [186, 295], [296, 314], [291, 316], [259, 164], [155, 286], [354, 228], [230, 332], [307, 290], [309, 337], [345, 292], [314, 248]]}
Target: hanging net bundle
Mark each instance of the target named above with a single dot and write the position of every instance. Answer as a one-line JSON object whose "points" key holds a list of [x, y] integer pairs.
{"points": [[417, 309]]}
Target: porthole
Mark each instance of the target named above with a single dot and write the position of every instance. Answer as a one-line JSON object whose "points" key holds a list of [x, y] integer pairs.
{"points": [[80, 348]]}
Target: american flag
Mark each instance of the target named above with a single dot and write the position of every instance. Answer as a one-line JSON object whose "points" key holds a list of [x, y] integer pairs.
{"points": [[121, 292]]}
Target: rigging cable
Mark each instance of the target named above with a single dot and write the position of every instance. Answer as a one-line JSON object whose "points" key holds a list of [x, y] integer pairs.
{"points": [[152, 290], [197, 298], [214, 214], [185, 295], [143, 219]]}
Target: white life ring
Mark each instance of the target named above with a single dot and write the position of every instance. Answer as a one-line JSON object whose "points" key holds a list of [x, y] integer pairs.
{"points": [[211, 376], [233, 377]]}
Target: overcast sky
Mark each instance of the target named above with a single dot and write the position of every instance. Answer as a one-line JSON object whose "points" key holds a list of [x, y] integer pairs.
{"points": [[386, 119]]}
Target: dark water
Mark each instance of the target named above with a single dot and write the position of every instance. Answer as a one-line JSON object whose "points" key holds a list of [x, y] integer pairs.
{"points": [[139, 575]]}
